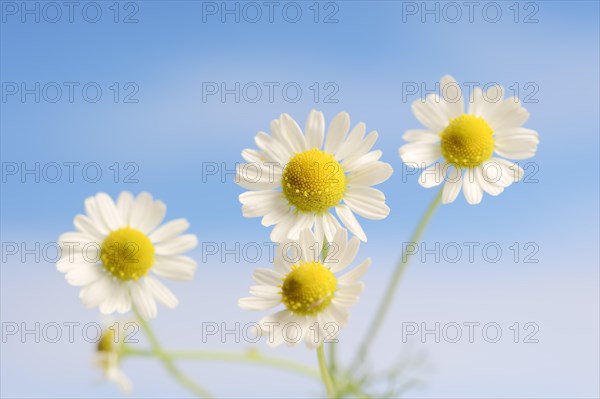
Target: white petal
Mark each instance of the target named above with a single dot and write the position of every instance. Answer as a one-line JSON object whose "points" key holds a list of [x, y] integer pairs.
{"points": [[253, 303], [511, 171], [341, 260], [471, 188], [113, 300], [338, 315], [337, 131], [362, 162], [93, 294], [283, 226], [169, 230], [255, 176], [93, 211], [273, 325], [420, 154], [124, 204], [87, 225], [432, 112], [109, 211], [451, 189], [154, 215], [330, 223], [252, 156], [420, 135], [277, 214], [356, 273], [299, 222], [517, 143], [452, 94], [309, 245], [177, 245], [160, 292], [349, 220], [489, 186], [365, 147], [267, 277], [266, 292], [368, 202], [353, 142], [83, 274], [371, 175], [293, 133], [273, 149], [68, 263], [138, 209], [123, 299], [143, 301], [74, 237], [506, 114], [260, 203], [314, 129], [434, 175], [180, 268]]}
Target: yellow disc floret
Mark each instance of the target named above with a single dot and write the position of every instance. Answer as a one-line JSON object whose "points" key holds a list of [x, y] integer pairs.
{"points": [[127, 254], [467, 141], [308, 288], [314, 181]]}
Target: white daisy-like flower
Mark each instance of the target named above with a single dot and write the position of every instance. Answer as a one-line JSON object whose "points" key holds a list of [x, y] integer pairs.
{"points": [[297, 178], [459, 147], [315, 300], [115, 248], [107, 359]]}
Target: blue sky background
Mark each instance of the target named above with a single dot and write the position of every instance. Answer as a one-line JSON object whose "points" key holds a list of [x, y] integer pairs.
{"points": [[369, 53]]}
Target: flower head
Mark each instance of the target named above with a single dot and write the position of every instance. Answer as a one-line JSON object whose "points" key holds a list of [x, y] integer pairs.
{"points": [[118, 247], [107, 358], [459, 147], [296, 179], [315, 299]]}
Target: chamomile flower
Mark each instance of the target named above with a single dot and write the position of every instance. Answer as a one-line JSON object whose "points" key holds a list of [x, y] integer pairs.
{"points": [[117, 246], [107, 359], [315, 300], [297, 179], [469, 151]]}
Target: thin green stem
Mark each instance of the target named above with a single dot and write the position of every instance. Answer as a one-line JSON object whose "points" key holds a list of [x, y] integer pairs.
{"points": [[248, 357], [331, 345], [325, 372], [393, 283], [332, 362], [168, 362]]}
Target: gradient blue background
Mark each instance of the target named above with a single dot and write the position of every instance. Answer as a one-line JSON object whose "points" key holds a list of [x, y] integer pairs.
{"points": [[369, 53]]}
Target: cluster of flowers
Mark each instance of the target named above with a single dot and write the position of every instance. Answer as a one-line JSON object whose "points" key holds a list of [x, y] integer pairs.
{"points": [[316, 172]]}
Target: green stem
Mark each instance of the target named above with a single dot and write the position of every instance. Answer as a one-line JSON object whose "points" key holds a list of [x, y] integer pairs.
{"points": [[332, 363], [168, 362], [331, 345], [325, 372], [393, 283], [249, 357]]}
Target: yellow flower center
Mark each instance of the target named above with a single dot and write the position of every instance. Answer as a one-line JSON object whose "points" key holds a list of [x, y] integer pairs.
{"points": [[314, 181], [467, 141], [308, 288], [127, 254]]}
